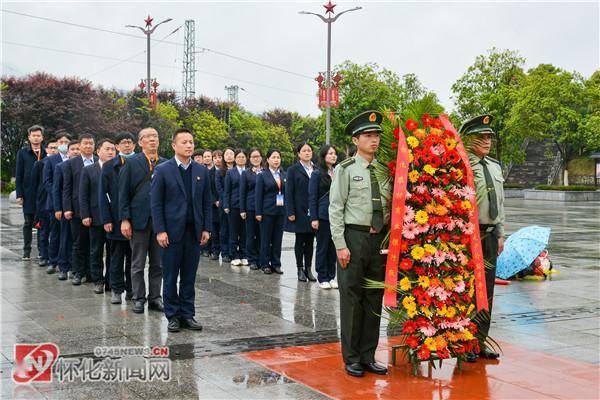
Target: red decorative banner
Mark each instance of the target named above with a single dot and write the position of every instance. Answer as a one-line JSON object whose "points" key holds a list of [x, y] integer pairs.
{"points": [[397, 219], [476, 251]]}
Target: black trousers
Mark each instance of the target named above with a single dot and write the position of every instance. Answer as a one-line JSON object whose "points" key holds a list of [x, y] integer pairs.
{"points": [[252, 238], [99, 270], [237, 234], [43, 232], [271, 236], [28, 233], [215, 235], [120, 266], [81, 248], [360, 308], [326, 256], [489, 245], [303, 249]]}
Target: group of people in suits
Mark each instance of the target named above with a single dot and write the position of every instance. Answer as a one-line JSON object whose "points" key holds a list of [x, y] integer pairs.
{"points": [[108, 215]]}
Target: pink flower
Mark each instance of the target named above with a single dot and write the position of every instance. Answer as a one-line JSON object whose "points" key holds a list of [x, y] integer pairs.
{"points": [[428, 331], [421, 189], [459, 287], [437, 192], [462, 259], [468, 228], [438, 149], [409, 214], [423, 228], [410, 230], [439, 257], [427, 259]]}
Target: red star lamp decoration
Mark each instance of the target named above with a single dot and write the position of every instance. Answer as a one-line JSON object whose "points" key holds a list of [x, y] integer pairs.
{"points": [[329, 7], [148, 21]]}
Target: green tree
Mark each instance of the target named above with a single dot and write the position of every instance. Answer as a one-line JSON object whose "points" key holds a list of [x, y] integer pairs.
{"points": [[488, 87], [550, 104], [165, 119], [209, 131]]}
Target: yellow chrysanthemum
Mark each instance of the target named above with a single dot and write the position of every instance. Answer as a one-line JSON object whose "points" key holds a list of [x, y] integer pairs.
{"points": [[442, 311], [430, 249], [467, 335], [450, 143], [429, 169], [417, 253], [405, 284], [411, 313], [430, 343], [426, 311], [421, 217], [409, 303], [420, 133], [440, 342], [410, 156], [423, 281], [413, 176], [466, 205], [449, 283], [451, 312], [471, 307], [459, 174], [412, 141]]}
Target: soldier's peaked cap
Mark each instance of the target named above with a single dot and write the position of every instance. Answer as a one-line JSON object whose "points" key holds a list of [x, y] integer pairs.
{"points": [[368, 121], [477, 125]]}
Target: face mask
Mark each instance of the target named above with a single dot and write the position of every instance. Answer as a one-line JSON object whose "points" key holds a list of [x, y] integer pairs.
{"points": [[63, 148], [126, 155]]}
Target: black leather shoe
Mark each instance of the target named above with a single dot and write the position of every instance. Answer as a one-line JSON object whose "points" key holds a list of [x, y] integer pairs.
{"points": [[98, 288], [301, 275], [62, 276], [354, 369], [375, 368], [76, 281], [253, 267], [226, 259], [267, 270], [471, 357], [309, 275], [192, 324], [156, 305], [138, 307], [278, 270], [128, 295], [174, 325], [489, 354]]}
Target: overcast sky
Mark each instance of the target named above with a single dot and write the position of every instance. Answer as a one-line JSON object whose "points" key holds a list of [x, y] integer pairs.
{"points": [[435, 40]]}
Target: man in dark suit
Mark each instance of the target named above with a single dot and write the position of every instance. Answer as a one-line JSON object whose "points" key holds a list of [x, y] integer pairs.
{"points": [[181, 214], [90, 213], [80, 233], [65, 260], [136, 222], [215, 245], [120, 250], [26, 196], [62, 139], [43, 215]]}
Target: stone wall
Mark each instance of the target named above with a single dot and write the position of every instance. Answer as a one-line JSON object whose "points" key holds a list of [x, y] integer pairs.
{"points": [[534, 171]]}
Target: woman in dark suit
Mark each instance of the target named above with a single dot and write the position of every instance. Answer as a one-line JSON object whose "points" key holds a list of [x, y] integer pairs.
{"points": [[296, 199], [228, 163], [231, 206], [248, 207], [318, 200], [270, 212]]}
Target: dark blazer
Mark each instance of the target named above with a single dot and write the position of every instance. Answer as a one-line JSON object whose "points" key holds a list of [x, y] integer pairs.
{"points": [[57, 186], [49, 166], [108, 196], [24, 183], [37, 177], [169, 202], [220, 186], [231, 192], [266, 193], [247, 191], [89, 184], [135, 206], [71, 178], [318, 195], [212, 174], [296, 199]]}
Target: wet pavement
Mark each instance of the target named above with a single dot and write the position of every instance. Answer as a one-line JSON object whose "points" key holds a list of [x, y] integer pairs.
{"points": [[250, 317]]}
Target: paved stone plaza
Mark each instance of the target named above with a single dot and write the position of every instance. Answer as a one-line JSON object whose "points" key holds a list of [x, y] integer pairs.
{"points": [[246, 311]]}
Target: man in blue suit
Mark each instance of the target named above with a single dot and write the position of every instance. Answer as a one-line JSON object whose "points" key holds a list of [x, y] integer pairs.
{"points": [[80, 232], [65, 245], [62, 139], [181, 213], [26, 157], [43, 216], [90, 214], [120, 250], [136, 222]]}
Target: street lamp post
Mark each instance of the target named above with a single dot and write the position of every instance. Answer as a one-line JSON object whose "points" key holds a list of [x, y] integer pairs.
{"points": [[148, 31], [328, 19]]}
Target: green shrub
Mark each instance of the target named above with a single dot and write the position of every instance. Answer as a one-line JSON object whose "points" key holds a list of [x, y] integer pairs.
{"points": [[565, 188]]}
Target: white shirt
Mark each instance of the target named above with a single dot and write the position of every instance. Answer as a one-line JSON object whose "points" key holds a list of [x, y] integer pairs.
{"points": [[87, 161], [309, 169], [240, 169], [179, 163], [63, 157]]}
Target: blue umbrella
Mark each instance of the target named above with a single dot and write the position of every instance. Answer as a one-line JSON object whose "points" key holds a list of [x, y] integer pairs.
{"points": [[520, 249]]}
